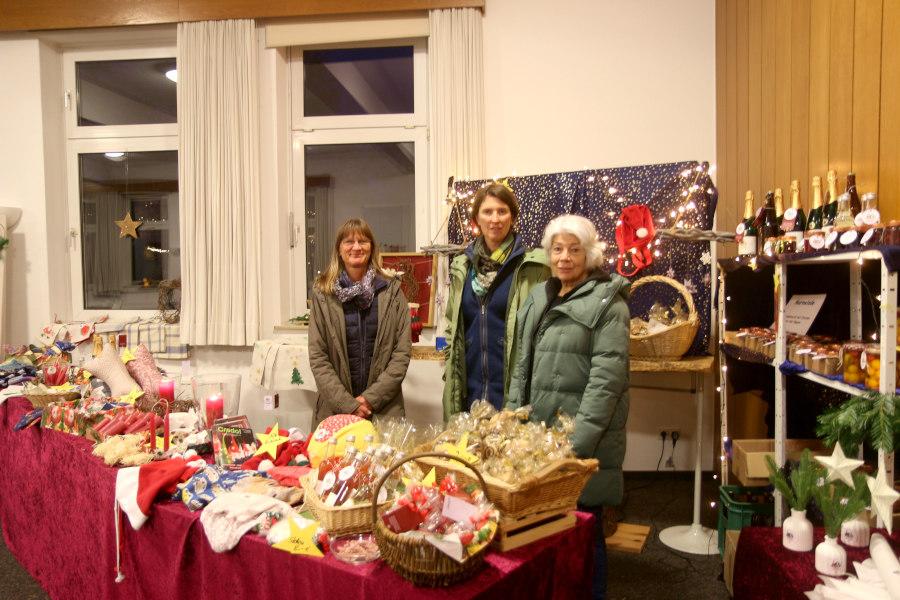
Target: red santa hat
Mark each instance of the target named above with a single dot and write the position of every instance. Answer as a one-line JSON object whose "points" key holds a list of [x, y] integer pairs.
{"points": [[634, 234], [137, 487]]}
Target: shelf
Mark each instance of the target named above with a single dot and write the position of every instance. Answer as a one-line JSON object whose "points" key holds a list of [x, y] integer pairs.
{"points": [[878, 253], [831, 383], [747, 356]]}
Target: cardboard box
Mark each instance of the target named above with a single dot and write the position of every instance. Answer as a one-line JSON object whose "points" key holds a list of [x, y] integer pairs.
{"points": [[748, 461], [731, 542]]}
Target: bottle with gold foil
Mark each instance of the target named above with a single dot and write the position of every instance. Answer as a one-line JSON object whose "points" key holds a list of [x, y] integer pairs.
{"points": [[831, 200], [746, 232], [815, 220], [794, 221], [768, 230], [779, 207]]}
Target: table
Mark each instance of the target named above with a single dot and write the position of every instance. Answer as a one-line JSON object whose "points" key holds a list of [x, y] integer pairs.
{"points": [[56, 509], [763, 568], [693, 538]]}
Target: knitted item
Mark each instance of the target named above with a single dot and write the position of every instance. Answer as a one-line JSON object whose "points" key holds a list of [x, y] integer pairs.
{"points": [[144, 370], [363, 290], [227, 518], [108, 367]]}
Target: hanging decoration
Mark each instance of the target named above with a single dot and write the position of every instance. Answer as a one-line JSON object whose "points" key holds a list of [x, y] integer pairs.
{"points": [[128, 226], [839, 466], [883, 498], [677, 195], [634, 234]]}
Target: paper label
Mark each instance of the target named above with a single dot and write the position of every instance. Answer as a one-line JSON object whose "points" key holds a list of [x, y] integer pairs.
{"points": [[346, 473], [804, 351], [382, 496], [747, 245], [331, 500], [858, 220], [863, 360], [740, 229], [867, 236], [871, 216], [270, 402], [848, 237], [458, 509], [790, 215], [326, 484], [800, 312], [831, 238], [817, 241]]}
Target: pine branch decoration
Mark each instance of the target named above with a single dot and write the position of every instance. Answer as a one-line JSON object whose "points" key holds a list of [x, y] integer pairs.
{"points": [[840, 503], [803, 480], [870, 418]]}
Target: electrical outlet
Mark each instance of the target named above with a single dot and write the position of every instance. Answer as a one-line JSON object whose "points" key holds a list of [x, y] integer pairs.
{"points": [[668, 431], [673, 431]]}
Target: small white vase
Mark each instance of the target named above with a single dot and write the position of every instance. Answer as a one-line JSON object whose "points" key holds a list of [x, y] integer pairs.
{"points": [[797, 532], [855, 533], [831, 558]]}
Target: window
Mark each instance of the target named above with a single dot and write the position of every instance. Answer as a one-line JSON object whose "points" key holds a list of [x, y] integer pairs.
{"points": [[359, 150], [122, 165]]}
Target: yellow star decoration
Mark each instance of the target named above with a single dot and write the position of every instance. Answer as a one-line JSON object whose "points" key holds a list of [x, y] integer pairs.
{"points": [[428, 481], [131, 396], [128, 226], [127, 356], [269, 442], [300, 541], [460, 449]]}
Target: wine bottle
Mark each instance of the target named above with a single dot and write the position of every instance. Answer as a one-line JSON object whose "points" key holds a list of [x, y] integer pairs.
{"points": [[794, 221], [831, 200], [746, 229], [330, 480], [768, 230], [855, 204], [779, 207], [815, 220]]}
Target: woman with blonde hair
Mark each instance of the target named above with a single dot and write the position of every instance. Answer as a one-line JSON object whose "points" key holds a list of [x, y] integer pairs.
{"points": [[359, 341]]}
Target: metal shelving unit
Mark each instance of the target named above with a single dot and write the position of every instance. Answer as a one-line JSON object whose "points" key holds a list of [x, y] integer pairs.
{"points": [[887, 338]]}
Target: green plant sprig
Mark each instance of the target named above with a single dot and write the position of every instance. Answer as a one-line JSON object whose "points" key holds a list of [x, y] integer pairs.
{"points": [[871, 418], [799, 491], [840, 503]]}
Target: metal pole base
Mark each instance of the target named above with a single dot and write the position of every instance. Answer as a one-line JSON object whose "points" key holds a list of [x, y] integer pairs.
{"points": [[694, 539]]}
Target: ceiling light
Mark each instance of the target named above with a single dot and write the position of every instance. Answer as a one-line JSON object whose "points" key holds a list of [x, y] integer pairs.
{"points": [[116, 156], [172, 75]]}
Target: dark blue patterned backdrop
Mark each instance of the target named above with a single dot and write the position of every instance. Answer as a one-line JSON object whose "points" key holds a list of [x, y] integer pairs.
{"points": [[676, 193]]}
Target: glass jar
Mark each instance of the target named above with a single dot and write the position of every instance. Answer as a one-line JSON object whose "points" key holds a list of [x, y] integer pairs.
{"points": [[869, 214], [848, 238], [815, 240], [871, 361], [892, 234], [844, 216], [871, 237], [851, 362]]}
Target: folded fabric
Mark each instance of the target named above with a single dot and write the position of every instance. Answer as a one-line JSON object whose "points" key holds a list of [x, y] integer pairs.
{"points": [[274, 364], [144, 370], [289, 476], [208, 483], [137, 487], [232, 514], [269, 487]]}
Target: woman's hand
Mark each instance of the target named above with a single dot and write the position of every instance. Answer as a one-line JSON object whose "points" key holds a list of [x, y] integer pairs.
{"points": [[364, 409]]}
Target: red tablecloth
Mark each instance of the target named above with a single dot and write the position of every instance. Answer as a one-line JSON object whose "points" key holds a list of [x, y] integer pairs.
{"points": [[763, 568], [56, 509]]}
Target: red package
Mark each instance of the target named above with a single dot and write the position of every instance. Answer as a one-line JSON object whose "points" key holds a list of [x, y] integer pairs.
{"points": [[402, 518]]}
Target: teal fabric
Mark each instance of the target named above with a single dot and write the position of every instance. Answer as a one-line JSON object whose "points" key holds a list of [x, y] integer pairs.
{"points": [[578, 358]]}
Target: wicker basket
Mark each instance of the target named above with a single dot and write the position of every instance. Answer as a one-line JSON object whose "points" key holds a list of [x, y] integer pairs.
{"points": [[672, 343], [413, 557], [44, 400], [338, 520], [557, 486]]}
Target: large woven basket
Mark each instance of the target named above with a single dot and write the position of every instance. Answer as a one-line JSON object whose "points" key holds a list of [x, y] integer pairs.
{"points": [[413, 558], [672, 343], [557, 486], [44, 400], [338, 520]]}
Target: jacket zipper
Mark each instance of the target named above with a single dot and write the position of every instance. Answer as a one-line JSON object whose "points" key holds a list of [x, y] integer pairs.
{"points": [[484, 356], [362, 341]]}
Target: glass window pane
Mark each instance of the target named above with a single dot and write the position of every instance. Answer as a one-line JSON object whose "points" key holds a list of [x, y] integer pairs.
{"points": [[358, 81], [375, 182], [126, 92], [121, 272]]}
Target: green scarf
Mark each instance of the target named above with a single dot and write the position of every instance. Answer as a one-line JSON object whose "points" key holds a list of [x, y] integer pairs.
{"points": [[486, 266]]}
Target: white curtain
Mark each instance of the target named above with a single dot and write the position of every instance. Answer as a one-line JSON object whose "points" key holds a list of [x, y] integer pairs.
{"points": [[218, 179], [455, 115]]}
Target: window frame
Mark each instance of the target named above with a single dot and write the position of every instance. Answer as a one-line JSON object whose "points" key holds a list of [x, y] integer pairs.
{"points": [[70, 87]]}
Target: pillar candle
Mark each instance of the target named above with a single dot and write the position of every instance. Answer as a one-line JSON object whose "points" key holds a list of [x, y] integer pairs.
{"points": [[152, 429], [215, 407], [167, 390]]}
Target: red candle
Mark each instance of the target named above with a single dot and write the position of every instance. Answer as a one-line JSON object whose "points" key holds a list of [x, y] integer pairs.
{"points": [[167, 390], [165, 430], [152, 429], [215, 408]]}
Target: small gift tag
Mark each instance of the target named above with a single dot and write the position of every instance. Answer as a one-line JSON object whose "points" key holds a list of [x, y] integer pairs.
{"points": [[270, 402], [458, 509]]}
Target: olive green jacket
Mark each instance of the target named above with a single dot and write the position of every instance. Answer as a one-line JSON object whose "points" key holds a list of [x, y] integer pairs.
{"points": [[533, 269], [330, 365], [578, 359]]}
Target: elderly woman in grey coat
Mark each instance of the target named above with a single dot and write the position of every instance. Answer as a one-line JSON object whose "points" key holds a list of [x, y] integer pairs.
{"points": [[359, 338]]}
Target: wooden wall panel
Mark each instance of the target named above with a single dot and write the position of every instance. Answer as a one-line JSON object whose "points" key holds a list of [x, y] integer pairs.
{"points": [[840, 88], [804, 86], [799, 117], [889, 138], [819, 80], [866, 93], [782, 92]]}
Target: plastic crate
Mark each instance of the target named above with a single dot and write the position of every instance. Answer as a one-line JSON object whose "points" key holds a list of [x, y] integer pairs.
{"points": [[736, 514]]}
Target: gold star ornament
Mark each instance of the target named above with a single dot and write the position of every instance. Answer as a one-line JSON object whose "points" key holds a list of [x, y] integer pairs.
{"points": [[269, 442], [128, 226]]}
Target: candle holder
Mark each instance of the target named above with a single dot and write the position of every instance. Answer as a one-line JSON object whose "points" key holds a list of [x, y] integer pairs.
{"points": [[225, 385]]}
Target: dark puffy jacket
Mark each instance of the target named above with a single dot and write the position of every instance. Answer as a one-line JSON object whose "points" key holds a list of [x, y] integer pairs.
{"points": [[362, 325]]}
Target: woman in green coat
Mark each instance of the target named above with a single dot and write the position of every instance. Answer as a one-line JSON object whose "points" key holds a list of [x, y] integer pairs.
{"points": [[573, 338]]}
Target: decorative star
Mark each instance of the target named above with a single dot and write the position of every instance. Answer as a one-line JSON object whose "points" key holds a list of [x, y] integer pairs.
{"points": [[883, 498], [839, 466], [131, 396], [269, 442], [705, 258], [300, 541], [128, 226]]}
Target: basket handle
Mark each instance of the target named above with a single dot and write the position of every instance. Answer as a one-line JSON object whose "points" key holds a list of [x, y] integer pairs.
{"points": [[692, 310], [397, 464]]}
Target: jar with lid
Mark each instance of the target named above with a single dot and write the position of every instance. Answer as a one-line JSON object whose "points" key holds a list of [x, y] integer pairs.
{"points": [[869, 214], [873, 236], [844, 216], [871, 361], [892, 234], [815, 240], [851, 362], [847, 239]]}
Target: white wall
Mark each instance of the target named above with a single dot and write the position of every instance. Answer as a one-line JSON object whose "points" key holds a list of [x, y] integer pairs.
{"points": [[577, 84]]}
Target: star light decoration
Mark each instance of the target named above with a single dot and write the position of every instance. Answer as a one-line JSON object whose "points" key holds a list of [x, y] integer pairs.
{"points": [[128, 226], [839, 466], [269, 442], [883, 497]]}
